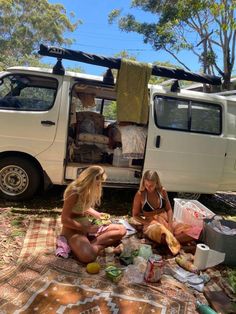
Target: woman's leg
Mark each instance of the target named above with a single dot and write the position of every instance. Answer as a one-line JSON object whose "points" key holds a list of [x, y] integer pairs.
{"points": [[162, 219], [113, 234], [87, 251], [183, 238], [179, 232], [83, 249]]}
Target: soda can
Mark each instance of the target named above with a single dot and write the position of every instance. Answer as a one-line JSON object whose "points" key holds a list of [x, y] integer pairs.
{"points": [[154, 268]]}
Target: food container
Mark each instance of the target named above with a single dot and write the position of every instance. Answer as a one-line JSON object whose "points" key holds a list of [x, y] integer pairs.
{"points": [[113, 273], [118, 160], [191, 212]]}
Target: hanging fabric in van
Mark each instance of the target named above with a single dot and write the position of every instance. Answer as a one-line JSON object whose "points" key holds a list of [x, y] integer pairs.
{"points": [[132, 91]]}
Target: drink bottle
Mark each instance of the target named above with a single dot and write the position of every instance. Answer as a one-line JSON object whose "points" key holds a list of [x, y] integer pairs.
{"points": [[204, 309]]}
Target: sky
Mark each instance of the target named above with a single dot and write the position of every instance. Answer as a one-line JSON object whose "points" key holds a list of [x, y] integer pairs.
{"points": [[97, 36]]}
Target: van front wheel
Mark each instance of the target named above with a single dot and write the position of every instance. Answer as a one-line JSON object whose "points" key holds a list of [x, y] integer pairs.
{"points": [[19, 179]]}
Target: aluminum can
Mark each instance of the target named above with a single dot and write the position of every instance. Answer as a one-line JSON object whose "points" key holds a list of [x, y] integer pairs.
{"points": [[154, 268]]}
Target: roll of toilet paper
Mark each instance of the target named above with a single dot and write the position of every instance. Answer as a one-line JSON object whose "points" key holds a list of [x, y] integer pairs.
{"points": [[205, 257]]}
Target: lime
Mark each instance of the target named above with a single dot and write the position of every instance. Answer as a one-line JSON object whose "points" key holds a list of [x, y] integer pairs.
{"points": [[93, 268]]}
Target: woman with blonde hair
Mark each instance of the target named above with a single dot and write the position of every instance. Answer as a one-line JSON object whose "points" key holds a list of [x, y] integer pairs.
{"points": [[151, 205], [85, 239]]}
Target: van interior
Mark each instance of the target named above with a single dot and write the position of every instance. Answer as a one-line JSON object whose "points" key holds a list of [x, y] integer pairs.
{"points": [[97, 137]]}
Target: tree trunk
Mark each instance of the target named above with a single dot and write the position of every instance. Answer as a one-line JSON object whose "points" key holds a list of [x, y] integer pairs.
{"points": [[226, 81]]}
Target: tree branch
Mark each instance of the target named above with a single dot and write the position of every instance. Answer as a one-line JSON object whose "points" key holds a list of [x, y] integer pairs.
{"points": [[176, 58], [215, 64]]}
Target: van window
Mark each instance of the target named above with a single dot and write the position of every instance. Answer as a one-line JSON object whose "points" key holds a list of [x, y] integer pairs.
{"points": [[187, 115], [27, 92]]}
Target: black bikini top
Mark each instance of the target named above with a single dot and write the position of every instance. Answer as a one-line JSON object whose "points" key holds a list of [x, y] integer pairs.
{"points": [[148, 208]]}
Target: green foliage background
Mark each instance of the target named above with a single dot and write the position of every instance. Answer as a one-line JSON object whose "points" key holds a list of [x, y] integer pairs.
{"points": [[24, 24]]}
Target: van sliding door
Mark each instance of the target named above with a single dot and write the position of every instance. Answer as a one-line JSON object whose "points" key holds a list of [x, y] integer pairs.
{"points": [[186, 144]]}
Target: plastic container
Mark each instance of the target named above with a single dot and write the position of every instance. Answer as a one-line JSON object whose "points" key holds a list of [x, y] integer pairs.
{"points": [[145, 251], [118, 160], [191, 212], [221, 242]]}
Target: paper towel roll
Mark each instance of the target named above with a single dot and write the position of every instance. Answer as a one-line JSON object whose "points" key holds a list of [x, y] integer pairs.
{"points": [[205, 257]]}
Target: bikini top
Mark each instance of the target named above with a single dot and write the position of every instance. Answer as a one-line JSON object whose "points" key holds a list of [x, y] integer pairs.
{"points": [[79, 211], [147, 206]]}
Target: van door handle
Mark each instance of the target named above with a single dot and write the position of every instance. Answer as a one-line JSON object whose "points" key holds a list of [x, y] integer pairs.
{"points": [[158, 141], [47, 122]]}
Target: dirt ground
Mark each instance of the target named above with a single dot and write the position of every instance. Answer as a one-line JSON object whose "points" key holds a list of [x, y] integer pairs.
{"points": [[15, 216]]}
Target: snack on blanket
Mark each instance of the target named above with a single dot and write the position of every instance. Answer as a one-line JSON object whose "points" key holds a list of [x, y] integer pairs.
{"points": [[113, 273], [186, 264], [105, 216], [104, 220], [155, 233]]}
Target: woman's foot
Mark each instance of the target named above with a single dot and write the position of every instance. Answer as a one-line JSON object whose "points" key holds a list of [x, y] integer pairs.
{"points": [[114, 250], [118, 249]]}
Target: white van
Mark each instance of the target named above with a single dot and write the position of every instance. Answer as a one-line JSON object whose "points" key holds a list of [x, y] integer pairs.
{"points": [[53, 126]]}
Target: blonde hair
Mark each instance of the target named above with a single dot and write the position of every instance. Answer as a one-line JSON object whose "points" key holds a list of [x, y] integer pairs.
{"points": [[150, 175], [87, 188]]}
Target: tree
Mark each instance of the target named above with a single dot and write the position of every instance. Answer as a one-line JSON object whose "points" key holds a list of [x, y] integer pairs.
{"points": [[205, 27], [24, 24], [110, 111], [25, 60]]}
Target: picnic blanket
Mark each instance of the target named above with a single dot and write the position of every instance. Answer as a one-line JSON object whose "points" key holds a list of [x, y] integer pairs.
{"points": [[41, 282], [40, 237], [51, 285]]}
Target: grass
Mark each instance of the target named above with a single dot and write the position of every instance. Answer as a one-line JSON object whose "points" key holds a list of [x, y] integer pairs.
{"points": [[114, 201]]}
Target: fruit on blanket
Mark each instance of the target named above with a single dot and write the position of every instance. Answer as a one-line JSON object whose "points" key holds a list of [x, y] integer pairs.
{"points": [[183, 262], [93, 268]]}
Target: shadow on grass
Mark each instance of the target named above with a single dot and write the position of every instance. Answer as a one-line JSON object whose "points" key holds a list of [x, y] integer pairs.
{"points": [[50, 199], [114, 201]]}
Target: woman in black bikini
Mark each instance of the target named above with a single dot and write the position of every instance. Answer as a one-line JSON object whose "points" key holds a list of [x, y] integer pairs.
{"points": [[151, 204]]}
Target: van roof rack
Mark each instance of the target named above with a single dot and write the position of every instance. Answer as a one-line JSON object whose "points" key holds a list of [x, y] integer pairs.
{"points": [[114, 63], [227, 93]]}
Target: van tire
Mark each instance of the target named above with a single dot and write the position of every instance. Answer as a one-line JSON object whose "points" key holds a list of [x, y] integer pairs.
{"points": [[19, 178]]}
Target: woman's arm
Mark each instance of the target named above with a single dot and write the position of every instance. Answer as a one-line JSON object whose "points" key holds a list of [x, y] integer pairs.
{"points": [[136, 209], [168, 208], [93, 212], [67, 214]]}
